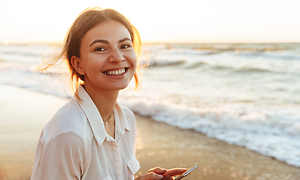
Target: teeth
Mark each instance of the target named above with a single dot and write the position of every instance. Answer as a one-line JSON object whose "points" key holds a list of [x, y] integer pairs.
{"points": [[116, 72]]}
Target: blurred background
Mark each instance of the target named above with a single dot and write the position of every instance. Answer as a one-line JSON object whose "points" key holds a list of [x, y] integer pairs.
{"points": [[227, 69], [213, 21]]}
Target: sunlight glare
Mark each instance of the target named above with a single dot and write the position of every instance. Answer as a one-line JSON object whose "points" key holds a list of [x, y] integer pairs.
{"points": [[188, 21]]}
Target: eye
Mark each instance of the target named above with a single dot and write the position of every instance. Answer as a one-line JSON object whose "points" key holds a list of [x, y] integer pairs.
{"points": [[125, 46], [100, 49]]}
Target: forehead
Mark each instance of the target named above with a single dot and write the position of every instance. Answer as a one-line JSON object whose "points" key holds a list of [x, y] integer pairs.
{"points": [[110, 30]]}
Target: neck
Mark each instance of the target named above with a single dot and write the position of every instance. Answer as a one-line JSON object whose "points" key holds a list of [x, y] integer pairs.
{"points": [[105, 100]]}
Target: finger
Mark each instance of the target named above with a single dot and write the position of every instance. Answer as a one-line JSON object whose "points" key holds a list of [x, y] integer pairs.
{"points": [[150, 176], [158, 170], [176, 171], [154, 176]]}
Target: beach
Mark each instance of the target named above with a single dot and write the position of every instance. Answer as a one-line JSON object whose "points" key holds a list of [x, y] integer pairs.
{"points": [[24, 113], [242, 94]]}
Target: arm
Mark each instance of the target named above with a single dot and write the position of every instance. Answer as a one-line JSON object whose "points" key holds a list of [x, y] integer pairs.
{"points": [[60, 158]]}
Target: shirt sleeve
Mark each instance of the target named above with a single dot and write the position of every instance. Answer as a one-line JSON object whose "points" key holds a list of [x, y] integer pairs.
{"points": [[63, 157], [135, 137]]}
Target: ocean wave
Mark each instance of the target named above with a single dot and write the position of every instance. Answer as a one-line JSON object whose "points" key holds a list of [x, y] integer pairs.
{"points": [[234, 117], [245, 69], [215, 48], [197, 65], [290, 55], [153, 62], [192, 52], [24, 53], [225, 68], [252, 69], [15, 53], [259, 129]]}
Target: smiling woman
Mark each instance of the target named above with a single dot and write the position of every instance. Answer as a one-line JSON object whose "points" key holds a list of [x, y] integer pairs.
{"points": [[92, 136], [106, 48], [78, 30]]}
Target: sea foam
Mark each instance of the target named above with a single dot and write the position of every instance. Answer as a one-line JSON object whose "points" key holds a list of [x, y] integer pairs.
{"points": [[270, 131]]}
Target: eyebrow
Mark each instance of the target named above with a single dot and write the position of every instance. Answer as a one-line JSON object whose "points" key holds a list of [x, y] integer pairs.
{"points": [[106, 42]]}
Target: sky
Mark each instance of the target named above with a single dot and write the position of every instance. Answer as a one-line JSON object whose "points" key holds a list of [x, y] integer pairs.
{"points": [[187, 21]]}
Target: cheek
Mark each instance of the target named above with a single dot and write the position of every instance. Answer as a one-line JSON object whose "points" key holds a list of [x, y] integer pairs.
{"points": [[133, 60], [95, 62]]}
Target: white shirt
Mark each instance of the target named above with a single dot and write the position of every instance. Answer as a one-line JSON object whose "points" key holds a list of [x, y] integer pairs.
{"points": [[74, 144]]}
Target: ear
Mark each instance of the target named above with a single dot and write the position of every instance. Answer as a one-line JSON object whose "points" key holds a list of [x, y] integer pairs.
{"points": [[75, 61]]}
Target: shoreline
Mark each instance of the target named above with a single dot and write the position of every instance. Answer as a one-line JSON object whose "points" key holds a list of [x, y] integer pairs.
{"points": [[217, 160], [24, 113]]}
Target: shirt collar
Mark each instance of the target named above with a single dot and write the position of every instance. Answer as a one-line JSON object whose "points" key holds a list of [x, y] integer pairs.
{"points": [[96, 122], [121, 120]]}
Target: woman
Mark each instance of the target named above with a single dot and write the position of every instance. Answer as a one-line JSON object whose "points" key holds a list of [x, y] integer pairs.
{"points": [[92, 136]]}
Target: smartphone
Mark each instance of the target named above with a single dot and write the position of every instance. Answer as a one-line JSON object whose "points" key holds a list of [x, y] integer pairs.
{"points": [[186, 173]]}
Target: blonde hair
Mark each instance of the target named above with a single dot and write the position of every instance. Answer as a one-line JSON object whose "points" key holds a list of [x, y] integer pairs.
{"points": [[84, 22]]}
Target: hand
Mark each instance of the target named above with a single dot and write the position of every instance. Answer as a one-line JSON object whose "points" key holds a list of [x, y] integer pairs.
{"points": [[168, 175], [153, 174]]}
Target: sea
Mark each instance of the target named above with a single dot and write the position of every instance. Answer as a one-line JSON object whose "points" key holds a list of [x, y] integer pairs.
{"points": [[244, 94]]}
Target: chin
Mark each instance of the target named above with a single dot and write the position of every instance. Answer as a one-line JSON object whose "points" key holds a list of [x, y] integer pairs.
{"points": [[120, 86]]}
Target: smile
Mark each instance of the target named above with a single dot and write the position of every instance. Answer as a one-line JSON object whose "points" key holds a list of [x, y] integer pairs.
{"points": [[115, 72]]}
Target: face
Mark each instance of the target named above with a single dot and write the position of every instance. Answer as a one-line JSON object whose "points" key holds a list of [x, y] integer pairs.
{"points": [[107, 58]]}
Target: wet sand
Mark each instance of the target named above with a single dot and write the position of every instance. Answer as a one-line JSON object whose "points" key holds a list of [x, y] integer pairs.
{"points": [[23, 114]]}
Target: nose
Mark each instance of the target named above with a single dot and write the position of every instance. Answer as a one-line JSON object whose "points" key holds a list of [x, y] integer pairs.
{"points": [[116, 56]]}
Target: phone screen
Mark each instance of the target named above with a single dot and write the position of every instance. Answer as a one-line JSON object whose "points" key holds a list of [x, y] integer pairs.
{"points": [[186, 173]]}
